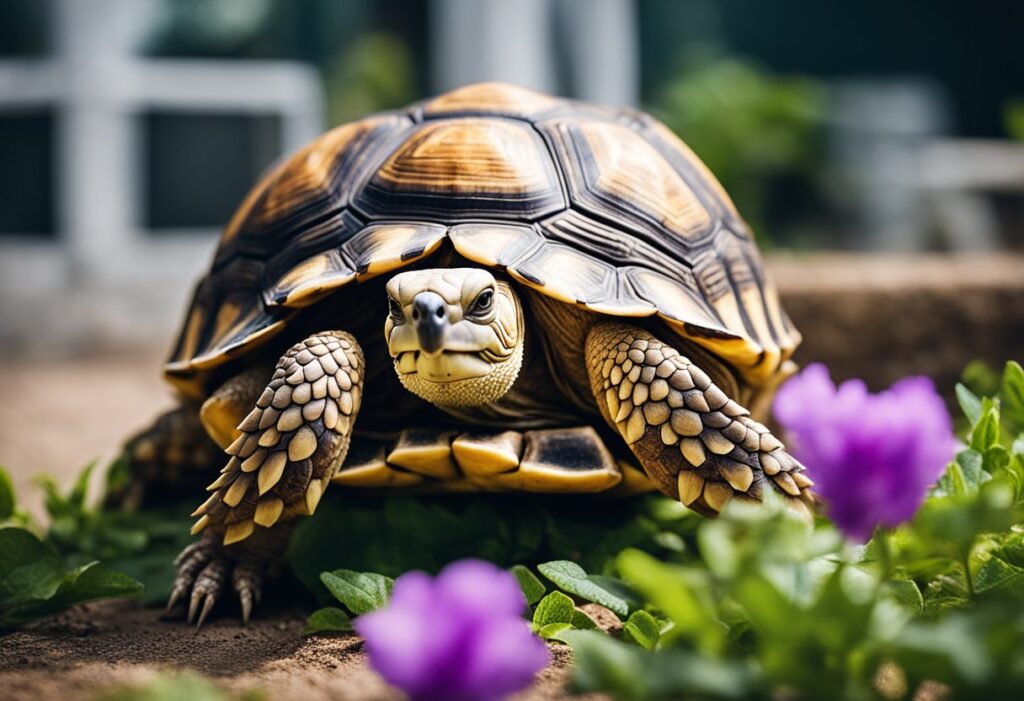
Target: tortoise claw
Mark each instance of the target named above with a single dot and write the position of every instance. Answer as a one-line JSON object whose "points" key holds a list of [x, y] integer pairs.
{"points": [[247, 579], [193, 607], [175, 597], [208, 603], [245, 597], [203, 573]]}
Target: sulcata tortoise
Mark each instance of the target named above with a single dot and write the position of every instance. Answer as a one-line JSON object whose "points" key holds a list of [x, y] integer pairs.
{"points": [[491, 290]]}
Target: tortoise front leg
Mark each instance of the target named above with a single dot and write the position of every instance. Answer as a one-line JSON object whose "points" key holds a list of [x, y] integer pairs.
{"points": [[288, 449], [695, 443]]}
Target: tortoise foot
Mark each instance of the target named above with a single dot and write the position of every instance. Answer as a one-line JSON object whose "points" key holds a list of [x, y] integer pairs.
{"points": [[205, 569]]}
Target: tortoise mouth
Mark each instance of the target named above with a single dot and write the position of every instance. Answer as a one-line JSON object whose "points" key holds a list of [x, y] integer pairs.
{"points": [[458, 378], [443, 367]]}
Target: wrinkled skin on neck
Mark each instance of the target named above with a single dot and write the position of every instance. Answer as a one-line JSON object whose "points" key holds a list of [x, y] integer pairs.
{"points": [[456, 335]]}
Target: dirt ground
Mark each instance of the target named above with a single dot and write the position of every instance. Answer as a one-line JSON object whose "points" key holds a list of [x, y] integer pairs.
{"points": [[57, 415], [89, 648]]}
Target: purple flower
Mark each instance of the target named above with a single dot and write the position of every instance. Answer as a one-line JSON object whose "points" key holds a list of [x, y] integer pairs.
{"points": [[872, 456], [458, 637]]}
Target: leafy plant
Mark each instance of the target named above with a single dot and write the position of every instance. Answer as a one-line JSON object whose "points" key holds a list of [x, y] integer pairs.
{"points": [[1013, 118], [142, 544], [504, 529], [533, 589], [327, 620], [757, 602], [35, 582], [88, 552], [611, 593], [176, 686], [359, 592], [8, 500], [768, 603]]}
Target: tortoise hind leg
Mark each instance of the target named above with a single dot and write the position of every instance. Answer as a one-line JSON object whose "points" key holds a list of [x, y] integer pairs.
{"points": [[288, 448], [224, 410], [172, 457], [167, 460], [696, 443]]}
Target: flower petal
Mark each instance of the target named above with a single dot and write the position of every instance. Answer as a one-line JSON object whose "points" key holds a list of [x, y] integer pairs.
{"points": [[872, 456]]}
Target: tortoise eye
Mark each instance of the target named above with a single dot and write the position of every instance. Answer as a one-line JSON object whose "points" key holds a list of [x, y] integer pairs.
{"points": [[483, 302], [395, 309]]}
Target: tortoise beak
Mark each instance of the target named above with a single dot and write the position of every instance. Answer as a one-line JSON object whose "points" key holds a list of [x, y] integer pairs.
{"points": [[430, 316]]}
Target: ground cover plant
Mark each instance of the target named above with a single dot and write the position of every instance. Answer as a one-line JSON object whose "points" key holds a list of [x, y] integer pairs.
{"points": [[37, 577], [758, 602], [755, 604]]}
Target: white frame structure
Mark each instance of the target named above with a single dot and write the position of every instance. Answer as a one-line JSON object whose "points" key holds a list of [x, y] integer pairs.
{"points": [[103, 280]]}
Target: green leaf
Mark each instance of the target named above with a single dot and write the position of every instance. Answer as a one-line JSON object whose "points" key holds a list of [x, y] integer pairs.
{"points": [[7, 497], [618, 588], [971, 464], [553, 631], [361, 592], [533, 589], [171, 686], [627, 671], [34, 582], [642, 629], [30, 570], [996, 459], [611, 593], [87, 583], [327, 619], [679, 595], [944, 650], [953, 482], [1011, 394], [581, 621], [556, 607], [80, 489], [969, 403], [998, 575], [906, 592], [985, 433]]}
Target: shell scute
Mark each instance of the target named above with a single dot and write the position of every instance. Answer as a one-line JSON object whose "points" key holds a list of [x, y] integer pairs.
{"points": [[467, 168]]}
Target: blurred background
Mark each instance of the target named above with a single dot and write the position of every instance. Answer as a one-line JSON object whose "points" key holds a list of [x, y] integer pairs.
{"points": [[130, 129]]}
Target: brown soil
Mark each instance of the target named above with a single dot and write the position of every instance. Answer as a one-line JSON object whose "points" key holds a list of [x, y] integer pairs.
{"points": [[60, 414], [89, 648]]}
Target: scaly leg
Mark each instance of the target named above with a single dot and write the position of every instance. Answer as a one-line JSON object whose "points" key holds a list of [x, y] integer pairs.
{"points": [[166, 460], [288, 449], [695, 443]]}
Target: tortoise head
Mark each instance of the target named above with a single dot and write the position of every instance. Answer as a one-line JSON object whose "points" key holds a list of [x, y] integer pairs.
{"points": [[456, 334]]}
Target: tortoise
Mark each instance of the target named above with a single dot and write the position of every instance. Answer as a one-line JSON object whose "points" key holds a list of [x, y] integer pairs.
{"points": [[569, 302]]}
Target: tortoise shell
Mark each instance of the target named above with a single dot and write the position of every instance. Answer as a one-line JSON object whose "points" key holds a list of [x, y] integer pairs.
{"points": [[602, 208]]}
